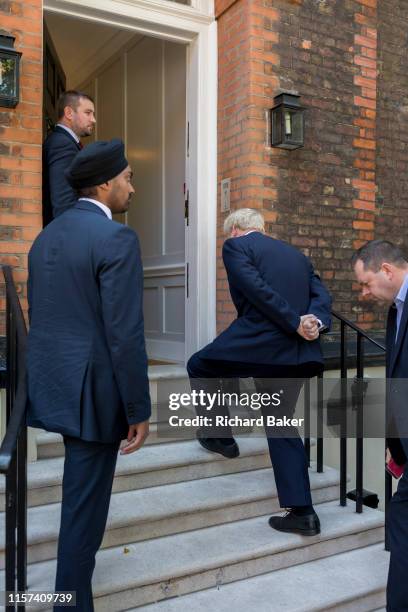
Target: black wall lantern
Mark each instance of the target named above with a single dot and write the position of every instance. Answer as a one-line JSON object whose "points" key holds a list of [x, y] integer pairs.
{"points": [[287, 122], [9, 72]]}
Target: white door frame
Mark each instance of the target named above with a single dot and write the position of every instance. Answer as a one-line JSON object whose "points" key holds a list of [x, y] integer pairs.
{"points": [[195, 26]]}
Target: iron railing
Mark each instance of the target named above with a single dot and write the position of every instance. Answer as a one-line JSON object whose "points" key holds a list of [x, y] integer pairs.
{"points": [[13, 450], [356, 398]]}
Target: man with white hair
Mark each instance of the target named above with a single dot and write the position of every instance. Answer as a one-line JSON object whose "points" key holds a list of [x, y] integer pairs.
{"points": [[281, 308]]}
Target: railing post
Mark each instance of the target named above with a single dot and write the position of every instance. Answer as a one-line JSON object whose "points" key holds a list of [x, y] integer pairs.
{"points": [[22, 511], [320, 423], [306, 404], [13, 456], [343, 417], [11, 476], [360, 424]]}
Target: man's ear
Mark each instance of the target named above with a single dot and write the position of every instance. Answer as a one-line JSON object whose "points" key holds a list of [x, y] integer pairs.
{"points": [[388, 269], [68, 112], [105, 186]]}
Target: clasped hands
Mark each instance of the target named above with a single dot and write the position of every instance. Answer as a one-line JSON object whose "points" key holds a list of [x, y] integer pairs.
{"points": [[309, 327]]}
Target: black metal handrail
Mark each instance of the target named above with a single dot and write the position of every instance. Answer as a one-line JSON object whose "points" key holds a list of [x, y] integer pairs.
{"points": [[362, 336], [357, 400], [13, 450]]}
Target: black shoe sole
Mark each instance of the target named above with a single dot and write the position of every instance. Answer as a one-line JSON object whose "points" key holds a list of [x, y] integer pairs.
{"points": [[229, 454], [304, 532]]}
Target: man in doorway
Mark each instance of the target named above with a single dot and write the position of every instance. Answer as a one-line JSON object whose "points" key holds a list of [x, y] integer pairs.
{"points": [[76, 120], [382, 272], [86, 358], [281, 306]]}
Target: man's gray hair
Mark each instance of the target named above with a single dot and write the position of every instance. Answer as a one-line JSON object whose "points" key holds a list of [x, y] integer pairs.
{"points": [[376, 252], [244, 219]]}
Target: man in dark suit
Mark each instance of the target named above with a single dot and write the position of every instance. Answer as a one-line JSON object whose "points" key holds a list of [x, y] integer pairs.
{"points": [[76, 119], [382, 271], [86, 359], [281, 305]]}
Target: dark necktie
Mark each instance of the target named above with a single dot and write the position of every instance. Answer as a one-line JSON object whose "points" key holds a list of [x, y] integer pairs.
{"points": [[80, 145]]}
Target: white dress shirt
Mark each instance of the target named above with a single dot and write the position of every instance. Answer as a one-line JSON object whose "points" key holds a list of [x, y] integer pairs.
{"points": [[103, 207], [64, 127], [400, 301]]}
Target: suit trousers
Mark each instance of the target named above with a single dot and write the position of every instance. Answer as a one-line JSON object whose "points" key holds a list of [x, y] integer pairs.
{"points": [[397, 532], [86, 490], [288, 456]]}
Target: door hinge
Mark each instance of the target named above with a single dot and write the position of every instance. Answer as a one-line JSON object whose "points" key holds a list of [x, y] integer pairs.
{"points": [[187, 206], [188, 139], [187, 280]]}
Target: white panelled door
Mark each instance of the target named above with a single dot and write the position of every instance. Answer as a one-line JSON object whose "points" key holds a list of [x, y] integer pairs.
{"points": [[156, 119]]}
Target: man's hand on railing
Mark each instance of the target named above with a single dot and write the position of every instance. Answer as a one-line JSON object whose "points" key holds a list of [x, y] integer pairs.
{"points": [[309, 327], [136, 437]]}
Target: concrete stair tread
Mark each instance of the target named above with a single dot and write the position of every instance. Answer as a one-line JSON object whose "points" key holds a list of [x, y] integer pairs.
{"points": [[46, 472], [48, 437], [45, 438], [347, 577], [163, 559], [166, 371], [163, 502], [50, 445]]}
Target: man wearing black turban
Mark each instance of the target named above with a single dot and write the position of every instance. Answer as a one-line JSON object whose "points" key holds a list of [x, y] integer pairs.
{"points": [[86, 359]]}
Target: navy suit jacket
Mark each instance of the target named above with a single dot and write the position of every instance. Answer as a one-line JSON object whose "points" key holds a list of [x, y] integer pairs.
{"points": [[271, 284], [397, 382], [59, 150], [86, 358], [397, 351]]}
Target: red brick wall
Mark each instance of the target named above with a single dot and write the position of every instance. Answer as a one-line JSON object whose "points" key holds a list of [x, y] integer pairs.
{"points": [[20, 145], [392, 123], [233, 123], [321, 198]]}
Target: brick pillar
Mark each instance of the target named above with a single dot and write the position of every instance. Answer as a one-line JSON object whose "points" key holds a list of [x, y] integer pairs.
{"points": [[233, 102], [241, 120], [365, 100], [20, 147]]}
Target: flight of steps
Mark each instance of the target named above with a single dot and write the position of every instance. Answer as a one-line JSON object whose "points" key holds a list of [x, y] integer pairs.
{"points": [[188, 530]]}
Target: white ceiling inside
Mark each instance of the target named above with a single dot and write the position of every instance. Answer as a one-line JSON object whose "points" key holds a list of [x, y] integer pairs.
{"points": [[82, 46]]}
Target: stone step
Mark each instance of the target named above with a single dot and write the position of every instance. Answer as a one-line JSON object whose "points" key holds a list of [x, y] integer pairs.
{"points": [[166, 372], [169, 566], [169, 509], [50, 445], [348, 582], [150, 466], [163, 380]]}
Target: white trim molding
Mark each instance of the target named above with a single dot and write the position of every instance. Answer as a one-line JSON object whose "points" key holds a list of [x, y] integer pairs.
{"points": [[202, 184], [159, 18]]}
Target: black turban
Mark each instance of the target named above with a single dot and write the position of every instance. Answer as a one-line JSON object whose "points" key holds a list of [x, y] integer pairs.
{"points": [[96, 164]]}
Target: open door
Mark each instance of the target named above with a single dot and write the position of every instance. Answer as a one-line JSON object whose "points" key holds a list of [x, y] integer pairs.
{"points": [[138, 84], [54, 83]]}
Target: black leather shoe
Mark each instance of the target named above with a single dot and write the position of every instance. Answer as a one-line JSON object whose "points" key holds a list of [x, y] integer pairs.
{"points": [[308, 525], [217, 445]]}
